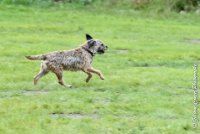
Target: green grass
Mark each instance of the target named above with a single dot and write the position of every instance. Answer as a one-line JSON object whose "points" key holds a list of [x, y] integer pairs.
{"points": [[148, 70]]}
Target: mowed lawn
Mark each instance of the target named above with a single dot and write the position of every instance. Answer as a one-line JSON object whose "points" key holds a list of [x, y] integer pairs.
{"points": [[148, 72]]}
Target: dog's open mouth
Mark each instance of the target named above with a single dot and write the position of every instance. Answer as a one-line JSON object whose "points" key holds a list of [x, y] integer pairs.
{"points": [[101, 51]]}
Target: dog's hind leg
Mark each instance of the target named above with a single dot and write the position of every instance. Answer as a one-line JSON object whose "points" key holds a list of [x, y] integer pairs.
{"points": [[39, 75], [43, 71], [92, 70], [59, 75]]}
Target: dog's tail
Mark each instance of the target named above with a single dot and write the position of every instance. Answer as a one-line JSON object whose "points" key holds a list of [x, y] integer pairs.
{"points": [[36, 57]]}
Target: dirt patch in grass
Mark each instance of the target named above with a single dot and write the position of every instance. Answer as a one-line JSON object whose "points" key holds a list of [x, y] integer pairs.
{"points": [[122, 51], [34, 92], [193, 41], [73, 115], [150, 65], [8, 94], [103, 101], [5, 97]]}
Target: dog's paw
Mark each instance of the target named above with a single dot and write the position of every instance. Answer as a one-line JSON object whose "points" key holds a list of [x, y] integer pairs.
{"points": [[69, 86], [102, 78]]}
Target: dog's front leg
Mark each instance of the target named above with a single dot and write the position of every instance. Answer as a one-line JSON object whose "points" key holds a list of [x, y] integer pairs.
{"points": [[89, 75], [98, 72]]}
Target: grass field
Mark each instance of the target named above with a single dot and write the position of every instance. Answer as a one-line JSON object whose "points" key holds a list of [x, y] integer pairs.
{"points": [[148, 70]]}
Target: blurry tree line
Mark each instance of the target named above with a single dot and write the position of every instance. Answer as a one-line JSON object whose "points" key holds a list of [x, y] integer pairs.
{"points": [[177, 5]]}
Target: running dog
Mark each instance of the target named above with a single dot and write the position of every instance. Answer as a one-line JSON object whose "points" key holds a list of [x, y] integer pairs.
{"points": [[79, 59]]}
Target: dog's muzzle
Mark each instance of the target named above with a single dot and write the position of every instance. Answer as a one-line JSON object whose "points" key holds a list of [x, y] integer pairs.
{"points": [[102, 50]]}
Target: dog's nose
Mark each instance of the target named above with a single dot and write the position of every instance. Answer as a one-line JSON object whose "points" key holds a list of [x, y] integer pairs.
{"points": [[106, 47]]}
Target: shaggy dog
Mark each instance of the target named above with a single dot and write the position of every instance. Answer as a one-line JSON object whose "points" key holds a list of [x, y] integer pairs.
{"points": [[79, 59]]}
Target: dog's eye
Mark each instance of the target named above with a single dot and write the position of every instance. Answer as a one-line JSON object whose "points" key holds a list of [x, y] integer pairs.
{"points": [[101, 44]]}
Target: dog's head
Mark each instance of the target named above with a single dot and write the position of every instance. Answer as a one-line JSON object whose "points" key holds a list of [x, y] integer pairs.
{"points": [[95, 45]]}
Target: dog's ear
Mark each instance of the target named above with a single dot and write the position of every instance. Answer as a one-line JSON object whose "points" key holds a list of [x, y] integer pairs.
{"points": [[88, 37], [91, 43]]}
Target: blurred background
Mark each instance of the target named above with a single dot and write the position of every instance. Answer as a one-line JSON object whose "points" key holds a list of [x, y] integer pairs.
{"points": [[156, 5]]}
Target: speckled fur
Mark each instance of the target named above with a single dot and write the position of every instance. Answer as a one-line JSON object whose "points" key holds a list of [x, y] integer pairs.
{"points": [[78, 59]]}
